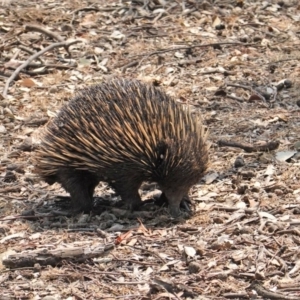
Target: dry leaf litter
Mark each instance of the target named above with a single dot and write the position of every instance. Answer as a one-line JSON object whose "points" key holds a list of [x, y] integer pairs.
{"points": [[237, 63]]}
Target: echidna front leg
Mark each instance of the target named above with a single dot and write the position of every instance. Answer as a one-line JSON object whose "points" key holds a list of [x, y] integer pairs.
{"points": [[81, 186], [129, 192], [185, 202]]}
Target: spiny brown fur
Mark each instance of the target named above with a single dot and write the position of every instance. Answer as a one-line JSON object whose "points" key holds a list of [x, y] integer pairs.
{"points": [[123, 132]]}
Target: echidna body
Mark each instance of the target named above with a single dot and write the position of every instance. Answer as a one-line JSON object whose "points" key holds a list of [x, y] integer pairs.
{"points": [[123, 132]]}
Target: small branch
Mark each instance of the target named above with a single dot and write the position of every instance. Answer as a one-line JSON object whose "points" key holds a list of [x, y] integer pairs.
{"points": [[28, 50], [245, 87], [236, 295], [135, 262], [266, 294], [90, 8], [30, 59], [55, 36], [269, 146], [56, 256], [41, 65], [157, 52], [192, 47], [128, 282], [148, 251], [249, 88], [233, 209], [129, 65], [239, 99]]}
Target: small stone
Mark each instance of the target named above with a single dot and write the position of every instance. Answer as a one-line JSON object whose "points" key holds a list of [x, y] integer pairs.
{"points": [[9, 177], [26, 145], [287, 83], [194, 267], [83, 219], [242, 189], [220, 27], [244, 39], [272, 68], [239, 162], [19, 168], [257, 39], [2, 129], [280, 86]]}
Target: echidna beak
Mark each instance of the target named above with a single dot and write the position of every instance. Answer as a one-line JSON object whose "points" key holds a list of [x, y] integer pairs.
{"points": [[174, 200]]}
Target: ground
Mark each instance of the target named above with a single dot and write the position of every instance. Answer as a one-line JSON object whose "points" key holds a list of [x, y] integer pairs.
{"points": [[234, 62]]}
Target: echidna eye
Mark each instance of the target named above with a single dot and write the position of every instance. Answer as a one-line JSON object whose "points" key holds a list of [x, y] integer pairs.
{"points": [[161, 156]]}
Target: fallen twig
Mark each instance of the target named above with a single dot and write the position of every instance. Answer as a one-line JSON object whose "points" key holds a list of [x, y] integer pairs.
{"points": [[239, 99], [147, 55], [269, 146], [245, 87], [251, 89], [56, 36], [129, 65], [44, 65], [266, 294], [90, 8], [30, 59], [192, 47], [30, 51], [149, 251], [51, 34], [56, 256]]}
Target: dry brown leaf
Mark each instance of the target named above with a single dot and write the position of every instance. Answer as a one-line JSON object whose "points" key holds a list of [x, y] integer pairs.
{"points": [[27, 82]]}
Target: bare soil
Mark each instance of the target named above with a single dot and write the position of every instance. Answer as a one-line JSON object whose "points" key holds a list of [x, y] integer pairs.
{"points": [[236, 62]]}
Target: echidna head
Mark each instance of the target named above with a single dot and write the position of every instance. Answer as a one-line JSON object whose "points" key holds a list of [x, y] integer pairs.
{"points": [[178, 166]]}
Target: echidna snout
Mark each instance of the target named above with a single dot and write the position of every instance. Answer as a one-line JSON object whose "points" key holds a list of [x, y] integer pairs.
{"points": [[174, 198]]}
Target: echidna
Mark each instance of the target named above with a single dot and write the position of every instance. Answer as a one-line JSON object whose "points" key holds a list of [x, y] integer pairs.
{"points": [[123, 132]]}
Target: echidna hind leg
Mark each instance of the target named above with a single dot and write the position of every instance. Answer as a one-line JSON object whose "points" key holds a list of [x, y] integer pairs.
{"points": [[81, 186]]}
